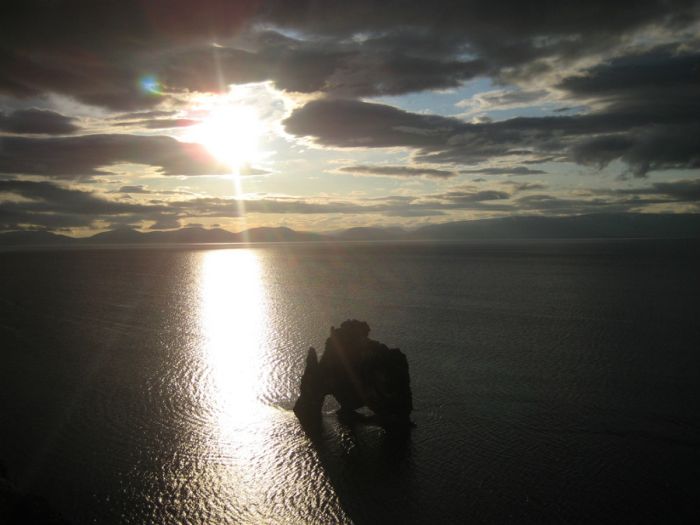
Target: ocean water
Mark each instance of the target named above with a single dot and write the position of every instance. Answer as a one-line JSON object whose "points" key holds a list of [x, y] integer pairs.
{"points": [[553, 382]]}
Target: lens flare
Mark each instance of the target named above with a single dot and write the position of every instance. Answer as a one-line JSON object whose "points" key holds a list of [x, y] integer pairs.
{"points": [[150, 84]]}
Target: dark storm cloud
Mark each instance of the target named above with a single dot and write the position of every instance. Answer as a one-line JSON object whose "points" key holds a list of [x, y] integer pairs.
{"points": [[505, 32], [644, 149], [655, 93], [449, 18], [97, 51], [397, 171], [340, 68], [376, 74], [94, 80], [666, 79], [647, 116], [647, 139], [353, 123], [36, 121], [74, 157]]}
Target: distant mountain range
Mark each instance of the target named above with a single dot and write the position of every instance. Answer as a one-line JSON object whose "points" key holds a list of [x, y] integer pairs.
{"points": [[575, 227]]}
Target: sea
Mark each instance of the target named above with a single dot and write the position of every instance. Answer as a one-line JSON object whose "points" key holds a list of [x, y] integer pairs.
{"points": [[553, 382]]}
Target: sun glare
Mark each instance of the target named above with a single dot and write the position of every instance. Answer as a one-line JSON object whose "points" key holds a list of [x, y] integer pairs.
{"points": [[232, 134], [233, 317]]}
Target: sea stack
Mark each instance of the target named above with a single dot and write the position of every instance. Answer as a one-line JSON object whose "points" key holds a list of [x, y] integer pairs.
{"points": [[358, 372]]}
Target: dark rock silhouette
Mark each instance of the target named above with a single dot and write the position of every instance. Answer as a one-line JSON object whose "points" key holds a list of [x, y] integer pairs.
{"points": [[358, 372]]}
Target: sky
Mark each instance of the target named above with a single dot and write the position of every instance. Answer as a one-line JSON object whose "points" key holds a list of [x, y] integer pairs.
{"points": [[324, 115]]}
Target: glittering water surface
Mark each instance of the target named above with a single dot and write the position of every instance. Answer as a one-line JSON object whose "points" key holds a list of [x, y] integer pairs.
{"points": [[553, 382]]}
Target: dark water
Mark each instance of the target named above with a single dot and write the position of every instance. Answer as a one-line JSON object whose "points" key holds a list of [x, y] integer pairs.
{"points": [[553, 382]]}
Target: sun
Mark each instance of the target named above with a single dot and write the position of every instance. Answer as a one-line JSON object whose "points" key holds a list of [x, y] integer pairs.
{"points": [[232, 134]]}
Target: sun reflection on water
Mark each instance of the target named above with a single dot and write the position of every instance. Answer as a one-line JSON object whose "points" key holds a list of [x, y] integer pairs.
{"points": [[233, 320], [261, 467]]}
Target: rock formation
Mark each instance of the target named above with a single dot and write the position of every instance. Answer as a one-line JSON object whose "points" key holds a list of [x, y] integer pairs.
{"points": [[358, 372]]}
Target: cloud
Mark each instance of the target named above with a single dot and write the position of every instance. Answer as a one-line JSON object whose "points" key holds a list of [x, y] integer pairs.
{"points": [[685, 190], [143, 190], [655, 93], [250, 171], [646, 139], [37, 121], [44, 204], [464, 197], [99, 51], [159, 123], [397, 171], [353, 123], [143, 115], [556, 204], [27, 204], [525, 186], [226, 207], [48, 205], [340, 68], [503, 99], [88, 155], [644, 149], [682, 190], [61, 199], [661, 80], [511, 170], [630, 74], [133, 189], [510, 37]]}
